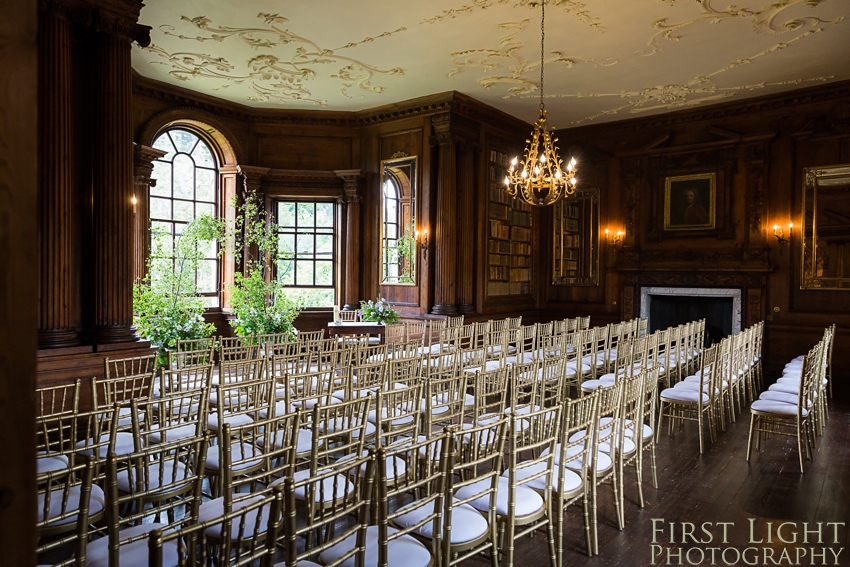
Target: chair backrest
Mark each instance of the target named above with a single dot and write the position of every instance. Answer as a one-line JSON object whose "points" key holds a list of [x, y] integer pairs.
{"points": [[65, 505], [444, 400], [490, 389], [583, 323], [307, 336], [58, 400], [436, 365], [577, 433], [190, 345], [369, 354], [545, 329], [513, 322], [276, 345], [473, 359], [338, 430], [171, 416], [456, 321], [253, 530], [554, 382], [241, 370], [154, 475], [526, 387], [394, 333], [328, 488], [247, 348], [188, 378], [408, 349], [397, 415], [115, 368], [122, 389], [404, 371], [366, 378], [349, 316], [417, 331], [304, 390]]}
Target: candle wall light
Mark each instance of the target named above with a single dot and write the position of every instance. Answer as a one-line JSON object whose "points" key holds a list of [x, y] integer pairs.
{"points": [[780, 234], [422, 240], [613, 239]]}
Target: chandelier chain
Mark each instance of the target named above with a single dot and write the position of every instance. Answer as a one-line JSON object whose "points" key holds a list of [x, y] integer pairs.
{"points": [[542, 39]]}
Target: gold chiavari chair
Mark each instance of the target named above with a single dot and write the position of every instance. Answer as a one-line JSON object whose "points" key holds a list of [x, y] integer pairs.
{"points": [[513, 322], [625, 450], [56, 426], [403, 372], [523, 342], [478, 455], [122, 389], [369, 354], [172, 416], [349, 316], [600, 468], [250, 459], [397, 415], [794, 420], [189, 358], [693, 404], [452, 322], [187, 378], [546, 329], [252, 541], [621, 367], [68, 501], [191, 345], [521, 510], [554, 383], [134, 366], [441, 364], [239, 402], [394, 333], [444, 399], [525, 389], [98, 434], [645, 429], [166, 476], [480, 332], [583, 323], [475, 359], [233, 349], [345, 543], [365, 379], [570, 484], [417, 331], [446, 341], [409, 349]]}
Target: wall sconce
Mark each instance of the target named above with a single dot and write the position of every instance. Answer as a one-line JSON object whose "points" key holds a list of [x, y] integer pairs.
{"points": [[134, 200], [613, 239], [780, 234], [422, 239]]}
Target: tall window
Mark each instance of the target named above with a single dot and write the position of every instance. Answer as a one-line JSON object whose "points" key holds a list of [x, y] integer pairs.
{"points": [[306, 236], [391, 235], [186, 188]]}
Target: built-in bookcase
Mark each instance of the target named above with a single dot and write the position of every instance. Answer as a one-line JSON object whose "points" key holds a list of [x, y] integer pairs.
{"points": [[509, 245]]}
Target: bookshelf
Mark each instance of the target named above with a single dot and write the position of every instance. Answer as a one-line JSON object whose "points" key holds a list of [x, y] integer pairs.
{"points": [[575, 245], [509, 242]]}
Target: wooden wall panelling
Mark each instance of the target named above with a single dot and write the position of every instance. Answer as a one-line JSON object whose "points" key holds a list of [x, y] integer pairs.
{"points": [[19, 281], [445, 231]]}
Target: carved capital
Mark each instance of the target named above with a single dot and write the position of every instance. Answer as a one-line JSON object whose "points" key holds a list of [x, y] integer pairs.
{"points": [[114, 18], [252, 177], [350, 180], [143, 158]]}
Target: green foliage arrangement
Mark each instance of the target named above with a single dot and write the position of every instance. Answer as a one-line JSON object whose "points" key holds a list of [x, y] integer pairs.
{"points": [[379, 311], [258, 300], [166, 303]]}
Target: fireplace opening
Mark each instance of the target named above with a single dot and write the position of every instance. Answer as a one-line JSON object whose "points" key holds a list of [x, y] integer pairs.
{"points": [[672, 310]]}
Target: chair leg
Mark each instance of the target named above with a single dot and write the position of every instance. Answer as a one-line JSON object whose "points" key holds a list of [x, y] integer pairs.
{"points": [[652, 461], [750, 437], [800, 449], [585, 504], [699, 422]]}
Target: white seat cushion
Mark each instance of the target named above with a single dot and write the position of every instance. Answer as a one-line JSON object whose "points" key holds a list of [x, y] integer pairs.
{"points": [[603, 461], [336, 486], [238, 452], [572, 481], [97, 502], [683, 395], [467, 523], [234, 420], [132, 554], [778, 408], [340, 424], [527, 500], [406, 550], [124, 445], [173, 434], [159, 474], [51, 463], [213, 509], [783, 397]]}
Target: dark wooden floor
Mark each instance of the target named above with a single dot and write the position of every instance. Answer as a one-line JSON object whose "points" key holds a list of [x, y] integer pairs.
{"points": [[720, 486]]}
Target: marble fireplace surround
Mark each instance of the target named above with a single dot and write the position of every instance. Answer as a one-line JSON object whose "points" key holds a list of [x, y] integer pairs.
{"points": [[646, 294]]}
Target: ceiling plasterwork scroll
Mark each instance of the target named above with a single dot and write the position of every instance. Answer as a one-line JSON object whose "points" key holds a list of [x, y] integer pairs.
{"points": [[523, 72], [765, 20], [574, 7], [698, 90], [270, 76]]}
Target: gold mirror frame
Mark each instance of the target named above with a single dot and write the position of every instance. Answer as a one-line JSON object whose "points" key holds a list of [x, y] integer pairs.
{"points": [[575, 246], [825, 250], [399, 247]]}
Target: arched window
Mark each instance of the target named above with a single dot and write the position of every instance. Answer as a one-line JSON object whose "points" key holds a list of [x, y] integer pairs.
{"points": [[390, 227], [186, 188]]}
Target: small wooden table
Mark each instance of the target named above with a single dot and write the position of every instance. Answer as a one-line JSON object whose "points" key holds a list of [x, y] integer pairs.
{"points": [[356, 328]]}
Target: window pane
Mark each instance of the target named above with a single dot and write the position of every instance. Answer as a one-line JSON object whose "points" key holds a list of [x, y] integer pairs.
{"points": [[160, 208], [287, 244], [205, 185], [305, 215], [305, 245], [203, 156], [391, 232], [184, 177], [162, 174], [207, 277], [286, 214], [164, 143], [304, 273], [204, 209], [324, 214], [324, 244], [324, 273], [184, 211], [317, 297], [286, 272], [184, 141], [211, 301], [208, 249]]}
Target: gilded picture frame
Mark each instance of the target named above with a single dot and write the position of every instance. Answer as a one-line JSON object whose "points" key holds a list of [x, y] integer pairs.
{"points": [[690, 202]]}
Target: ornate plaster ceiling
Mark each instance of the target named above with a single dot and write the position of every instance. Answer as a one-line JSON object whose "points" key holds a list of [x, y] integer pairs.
{"points": [[605, 59]]}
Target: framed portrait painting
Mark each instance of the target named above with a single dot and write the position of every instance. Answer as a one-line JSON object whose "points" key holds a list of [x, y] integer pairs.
{"points": [[690, 202]]}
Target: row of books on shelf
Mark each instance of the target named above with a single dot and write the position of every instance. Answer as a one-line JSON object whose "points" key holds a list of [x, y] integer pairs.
{"points": [[499, 260], [568, 254], [500, 229], [499, 273], [501, 247], [571, 211], [499, 157], [520, 248], [520, 218], [568, 265], [570, 240], [520, 233], [520, 261], [507, 288], [500, 212], [504, 273], [570, 225], [520, 274], [499, 194]]}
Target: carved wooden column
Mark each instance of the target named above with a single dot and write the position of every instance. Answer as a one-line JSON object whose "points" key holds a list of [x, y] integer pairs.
{"points": [[252, 182], [445, 288], [59, 317], [112, 183], [351, 284], [143, 158], [466, 226]]}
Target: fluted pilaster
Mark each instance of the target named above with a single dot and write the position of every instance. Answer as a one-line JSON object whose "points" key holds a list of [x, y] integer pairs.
{"points": [[351, 282], [59, 317], [112, 185], [466, 227], [445, 289], [143, 158]]}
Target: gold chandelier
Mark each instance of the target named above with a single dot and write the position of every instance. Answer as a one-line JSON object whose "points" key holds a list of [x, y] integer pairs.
{"points": [[540, 178]]}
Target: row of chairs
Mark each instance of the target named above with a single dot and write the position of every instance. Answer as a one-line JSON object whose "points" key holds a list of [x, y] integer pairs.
{"points": [[796, 405]]}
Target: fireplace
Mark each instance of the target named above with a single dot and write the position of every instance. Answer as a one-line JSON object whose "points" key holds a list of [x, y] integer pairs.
{"points": [[671, 306]]}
